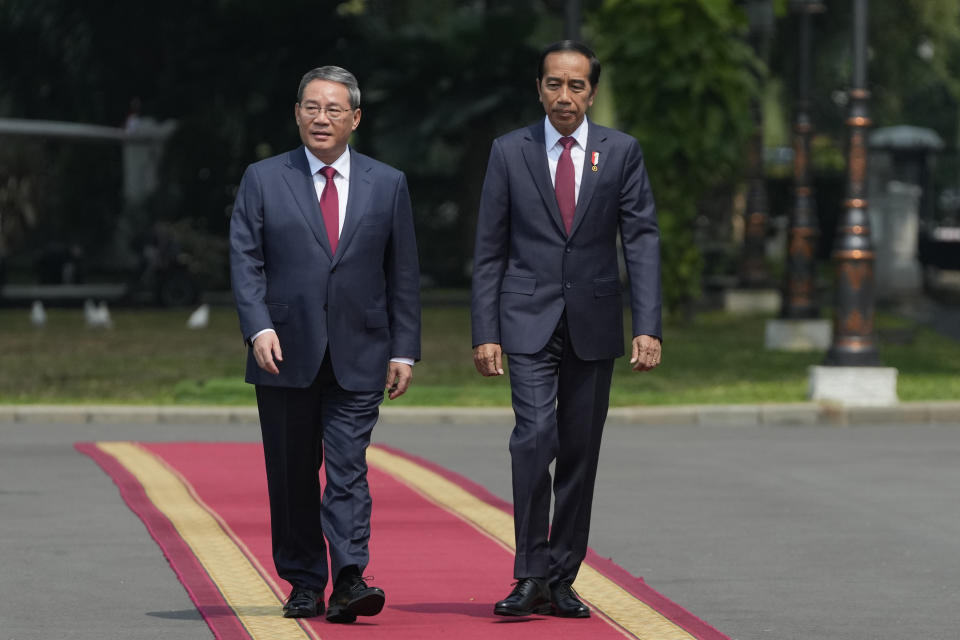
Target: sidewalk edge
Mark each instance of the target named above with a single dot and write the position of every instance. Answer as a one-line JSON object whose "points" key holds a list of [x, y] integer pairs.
{"points": [[805, 413]]}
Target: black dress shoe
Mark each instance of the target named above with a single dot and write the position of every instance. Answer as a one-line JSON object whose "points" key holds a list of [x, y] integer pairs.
{"points": [[529, 596], [566, 604], [303, 603], [351, 598]]}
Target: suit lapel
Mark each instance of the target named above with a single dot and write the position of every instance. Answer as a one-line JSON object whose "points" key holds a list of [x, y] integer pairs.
{"points": [[596, 141], [535, 155], [298, 179], [358, 199]]}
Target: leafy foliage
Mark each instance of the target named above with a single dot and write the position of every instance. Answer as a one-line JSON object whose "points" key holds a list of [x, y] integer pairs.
{"points": [[440, 79], [683, 78], [224, 70], [437, 87], [913, 71], [434, 109]]}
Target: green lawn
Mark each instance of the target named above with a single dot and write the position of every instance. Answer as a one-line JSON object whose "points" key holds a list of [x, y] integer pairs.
{"points": [[150, 357]]}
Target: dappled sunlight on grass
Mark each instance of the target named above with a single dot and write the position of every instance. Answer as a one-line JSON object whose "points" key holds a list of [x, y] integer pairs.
{"points": [[150, 357]]}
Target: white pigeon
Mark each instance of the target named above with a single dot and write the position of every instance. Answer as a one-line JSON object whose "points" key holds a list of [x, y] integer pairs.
{"points": [[199, 318], [38, 316], [90, 312], [97, 316], [105, 320]]}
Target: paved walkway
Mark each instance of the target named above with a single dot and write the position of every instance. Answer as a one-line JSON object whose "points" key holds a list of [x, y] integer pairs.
{"points": [[800, 531]]}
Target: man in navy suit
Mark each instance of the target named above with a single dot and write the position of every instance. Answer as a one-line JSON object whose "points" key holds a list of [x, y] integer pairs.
{"points": [[547, 292], [324, 267]]}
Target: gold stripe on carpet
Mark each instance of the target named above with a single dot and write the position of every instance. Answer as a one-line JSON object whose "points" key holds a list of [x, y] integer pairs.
{"points": [[623, 609], [244, 589]]}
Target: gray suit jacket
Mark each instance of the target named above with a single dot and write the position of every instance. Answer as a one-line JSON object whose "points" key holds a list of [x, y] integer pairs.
{"points": [[362, 303], [527, 271]]}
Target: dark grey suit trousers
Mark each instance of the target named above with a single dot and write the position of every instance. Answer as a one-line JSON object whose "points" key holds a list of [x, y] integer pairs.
{"points": [[300, 428], [560, 403]]}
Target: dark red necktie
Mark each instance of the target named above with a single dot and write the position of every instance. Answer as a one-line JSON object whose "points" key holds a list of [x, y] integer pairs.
{"points": [[330, 206], [564, 185]]}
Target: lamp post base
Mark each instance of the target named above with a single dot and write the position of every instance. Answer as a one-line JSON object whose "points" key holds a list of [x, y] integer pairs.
{"points": [[854, 386], [855, 356], [783, 334]]}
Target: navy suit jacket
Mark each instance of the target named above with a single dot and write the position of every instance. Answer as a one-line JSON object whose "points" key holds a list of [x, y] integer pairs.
{"points": [[361, 303], [527, 270]]}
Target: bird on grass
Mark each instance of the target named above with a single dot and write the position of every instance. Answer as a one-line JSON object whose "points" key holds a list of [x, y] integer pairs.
{"points": [[200, 318], [38, 315], [97, 316]]}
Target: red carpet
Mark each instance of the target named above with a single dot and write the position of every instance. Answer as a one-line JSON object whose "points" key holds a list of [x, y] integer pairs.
{"points": [[441, 573]]}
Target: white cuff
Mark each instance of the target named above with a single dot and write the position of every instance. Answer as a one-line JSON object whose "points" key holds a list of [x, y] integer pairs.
{"points": [[258, 334]]}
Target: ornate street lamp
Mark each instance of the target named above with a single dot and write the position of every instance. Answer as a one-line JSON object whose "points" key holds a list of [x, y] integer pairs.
{"points": [[854, 335], [800, 295]]}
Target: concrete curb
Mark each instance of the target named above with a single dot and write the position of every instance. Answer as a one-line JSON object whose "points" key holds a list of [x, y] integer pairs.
{"points": [[806, 413]]}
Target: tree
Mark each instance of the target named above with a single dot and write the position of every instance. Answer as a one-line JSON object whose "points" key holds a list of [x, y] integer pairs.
{"points": [[440, 79], [914, 65], [227, 71], [440, 89], [683, 76]]}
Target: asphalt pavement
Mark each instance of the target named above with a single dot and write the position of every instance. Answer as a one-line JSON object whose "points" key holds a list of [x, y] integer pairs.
{"points": [[780, 532]]}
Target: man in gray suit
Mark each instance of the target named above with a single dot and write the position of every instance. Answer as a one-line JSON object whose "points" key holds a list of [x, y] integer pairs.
{"points": [[324, 267], [546, 292]]}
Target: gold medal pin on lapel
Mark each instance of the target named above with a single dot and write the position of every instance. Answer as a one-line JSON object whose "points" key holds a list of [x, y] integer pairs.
{"points": [[594, 159]]}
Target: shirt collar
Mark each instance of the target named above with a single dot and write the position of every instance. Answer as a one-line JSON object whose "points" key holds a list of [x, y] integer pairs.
{"points": [[341, 164], [551, 135]]}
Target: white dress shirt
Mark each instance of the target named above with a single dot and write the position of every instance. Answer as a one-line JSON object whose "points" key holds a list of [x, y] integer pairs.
{"points": [[578, 151], [341, 179]]}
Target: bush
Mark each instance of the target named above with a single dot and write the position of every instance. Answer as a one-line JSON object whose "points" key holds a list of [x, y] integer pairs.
{"points": [[683, 79]]}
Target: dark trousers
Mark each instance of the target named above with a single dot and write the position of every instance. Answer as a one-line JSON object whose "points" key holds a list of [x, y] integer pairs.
{"points": [[560, 403], [300, 428]]}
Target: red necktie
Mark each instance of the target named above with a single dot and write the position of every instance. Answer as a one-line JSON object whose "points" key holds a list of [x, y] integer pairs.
{"points": [[330, 206], [564, 185]]}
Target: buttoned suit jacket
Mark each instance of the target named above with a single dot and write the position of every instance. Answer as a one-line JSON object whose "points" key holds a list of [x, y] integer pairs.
{"points": [[361, 303], [528, 270]]}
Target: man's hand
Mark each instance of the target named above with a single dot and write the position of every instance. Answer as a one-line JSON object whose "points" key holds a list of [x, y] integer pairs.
{"points": [[399, 376], [646, 353], [488, 359], [266, 349]]}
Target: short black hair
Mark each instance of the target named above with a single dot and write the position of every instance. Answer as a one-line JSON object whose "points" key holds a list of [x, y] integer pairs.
{"points": [[572, 45]]}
